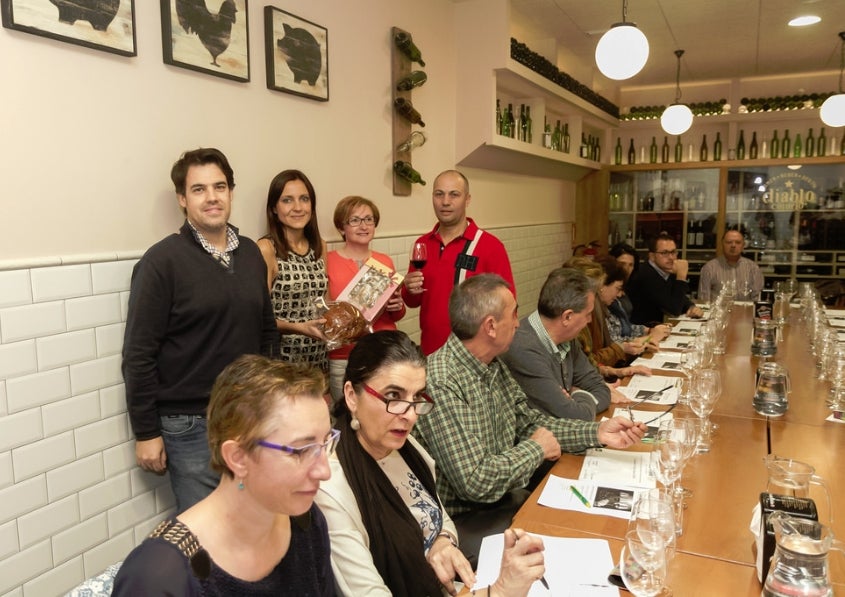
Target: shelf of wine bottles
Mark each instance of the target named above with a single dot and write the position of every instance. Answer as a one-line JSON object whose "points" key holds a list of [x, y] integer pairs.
{"points": [[521, 53]]}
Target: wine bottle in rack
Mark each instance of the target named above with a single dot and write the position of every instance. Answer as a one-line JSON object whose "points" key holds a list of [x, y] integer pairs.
{"points": [[797, 147], [415, 79], [717, 148], [785, 145], [617, 152], [699, 234], [405, 42], [652, 151], [406, 171], [679, 149], [740, 146], [566, 140], [406, 109], [810, 145], [690, 234], [702, 153], [664, 151], [556, 137], [752, 148], [632, 153], [821, 144], [520, 130], [774, 149], [547, 135]]}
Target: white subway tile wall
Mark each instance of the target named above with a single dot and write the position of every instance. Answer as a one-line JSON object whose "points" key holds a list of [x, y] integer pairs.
{"points": [[72, 500]]}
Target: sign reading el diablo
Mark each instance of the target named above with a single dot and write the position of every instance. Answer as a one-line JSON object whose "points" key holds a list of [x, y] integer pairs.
{"points": [[790, 191]]}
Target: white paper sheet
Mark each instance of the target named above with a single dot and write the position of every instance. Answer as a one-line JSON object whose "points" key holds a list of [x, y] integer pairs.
{"points": [[643, 386], [619, 467], [605, 499], [574, 567], [687, 327], [676, 342], [666, 361]]}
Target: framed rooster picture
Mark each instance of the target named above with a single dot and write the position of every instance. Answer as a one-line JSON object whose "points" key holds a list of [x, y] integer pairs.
{"points": [[208, 36], [297, 55], [107, 25]]}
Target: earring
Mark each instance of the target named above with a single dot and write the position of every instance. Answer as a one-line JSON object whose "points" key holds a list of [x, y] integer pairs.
{"points": [[241, 485], [355, 423]]}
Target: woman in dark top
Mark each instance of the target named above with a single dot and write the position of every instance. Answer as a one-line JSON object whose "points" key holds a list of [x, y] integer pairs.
{"points": [[259, 532]]}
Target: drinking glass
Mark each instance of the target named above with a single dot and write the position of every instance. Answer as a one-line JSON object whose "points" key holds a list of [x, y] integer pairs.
{"points": [[419, 255], [642, 563], [706, 389]]}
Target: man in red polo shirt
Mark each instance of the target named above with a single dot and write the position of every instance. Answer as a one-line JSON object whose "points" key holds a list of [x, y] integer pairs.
{"points": [[457, 249]]}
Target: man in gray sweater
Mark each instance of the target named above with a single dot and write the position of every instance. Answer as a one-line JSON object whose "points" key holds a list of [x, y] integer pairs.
{"points": [[547, 360]]}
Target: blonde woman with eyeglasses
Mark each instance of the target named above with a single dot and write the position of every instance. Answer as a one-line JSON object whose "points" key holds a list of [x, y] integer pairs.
{"points": [[356, 218]]}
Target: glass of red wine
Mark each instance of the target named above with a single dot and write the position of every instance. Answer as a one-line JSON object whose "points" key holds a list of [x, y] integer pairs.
{"points": [[419, 255]]}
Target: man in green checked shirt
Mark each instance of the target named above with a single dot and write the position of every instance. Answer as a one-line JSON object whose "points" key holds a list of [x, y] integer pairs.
{"points": [[485, 438]]}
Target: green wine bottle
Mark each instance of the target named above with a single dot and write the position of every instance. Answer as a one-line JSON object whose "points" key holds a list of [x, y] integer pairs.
{"points": [[786, 145], [797, 147], [717, 148], [406, 109], [740, 146], [511, 122], [405, 43], [664, 150], [652, 151], [406, 171], [547, 134], [415, 79], [752, 148], [557, 137], [810, 145], [632, 153], [821, 144], [774, 151], [498, 117], [529, 135], [565, 139], [679, 149], [702, 154], [617, 152]]}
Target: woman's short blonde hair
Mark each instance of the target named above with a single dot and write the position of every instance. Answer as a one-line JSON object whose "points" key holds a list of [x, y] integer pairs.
{"points": [[593, 270], [245, 396]]}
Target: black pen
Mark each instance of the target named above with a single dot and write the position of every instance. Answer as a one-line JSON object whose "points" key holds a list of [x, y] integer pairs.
{"points": [[542, 578]]}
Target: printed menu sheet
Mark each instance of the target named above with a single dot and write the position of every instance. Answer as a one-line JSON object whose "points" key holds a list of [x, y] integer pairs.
{"points": [[666, 361], [574, 567]]}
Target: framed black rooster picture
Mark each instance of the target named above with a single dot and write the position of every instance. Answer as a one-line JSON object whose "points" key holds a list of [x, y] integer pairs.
{"points": [[209, 36], [107, 25], [297, 55]]}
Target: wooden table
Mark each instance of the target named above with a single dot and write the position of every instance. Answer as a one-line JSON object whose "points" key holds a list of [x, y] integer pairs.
{"points": [[716, 554]]}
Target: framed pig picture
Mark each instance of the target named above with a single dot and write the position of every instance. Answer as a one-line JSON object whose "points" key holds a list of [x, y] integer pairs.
{"points": [[297, 55]]}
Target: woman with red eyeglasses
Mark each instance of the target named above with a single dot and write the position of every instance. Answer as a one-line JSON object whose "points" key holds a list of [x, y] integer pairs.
{"points": [[390, 534]]}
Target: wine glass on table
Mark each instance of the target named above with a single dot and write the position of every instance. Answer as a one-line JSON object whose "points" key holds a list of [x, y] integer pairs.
{"points": [[706, 389], [642, 563], [419, 256]]}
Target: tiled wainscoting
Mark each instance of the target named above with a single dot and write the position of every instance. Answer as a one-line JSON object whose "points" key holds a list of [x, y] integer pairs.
{"points": [[72, 500]]}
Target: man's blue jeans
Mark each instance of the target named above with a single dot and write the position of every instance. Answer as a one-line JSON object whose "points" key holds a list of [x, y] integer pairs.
{"points": [[186, 445]]}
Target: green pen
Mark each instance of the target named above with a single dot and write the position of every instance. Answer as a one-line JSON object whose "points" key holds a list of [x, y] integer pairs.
{"points": [[579, 496]]}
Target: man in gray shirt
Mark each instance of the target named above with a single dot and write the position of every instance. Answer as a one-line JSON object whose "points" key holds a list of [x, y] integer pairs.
{"points": [[547, 360], [731, 266]]}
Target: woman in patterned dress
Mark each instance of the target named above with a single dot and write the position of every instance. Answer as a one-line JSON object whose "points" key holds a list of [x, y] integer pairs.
{"points": [[296, 267]]}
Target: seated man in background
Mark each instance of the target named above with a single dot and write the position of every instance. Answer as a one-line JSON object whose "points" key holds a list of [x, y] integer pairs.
{"points": [[546, 359], [483, 435], [731, 265], [660, 288]]}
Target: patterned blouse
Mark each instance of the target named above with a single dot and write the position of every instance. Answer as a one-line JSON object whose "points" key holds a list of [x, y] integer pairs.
{"points": [[301, 280]]}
